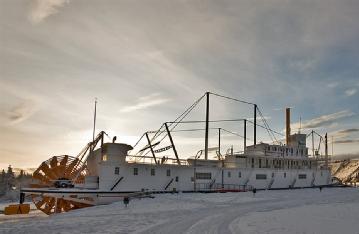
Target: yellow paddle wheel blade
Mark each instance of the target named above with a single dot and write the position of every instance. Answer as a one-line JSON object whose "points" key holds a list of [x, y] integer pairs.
{"points": [[59, 172]]}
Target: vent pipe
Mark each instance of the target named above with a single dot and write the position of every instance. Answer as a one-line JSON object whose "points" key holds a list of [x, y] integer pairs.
{"points": [[287, 125]]}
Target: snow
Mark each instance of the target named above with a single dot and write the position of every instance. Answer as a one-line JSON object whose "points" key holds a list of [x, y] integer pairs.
{"points": [[334, 210]]}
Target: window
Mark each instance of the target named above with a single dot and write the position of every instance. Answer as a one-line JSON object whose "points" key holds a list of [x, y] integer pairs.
{"points": [[239, 174], [135, 171], [203, 176], [302, 176], [260, 163], [229, 174], [285, 175], [104, 157], [267, 165], [168, 172], [153, 172], [252, 162], [176, 179], [117, 170], [272, 174], [261, 176]]}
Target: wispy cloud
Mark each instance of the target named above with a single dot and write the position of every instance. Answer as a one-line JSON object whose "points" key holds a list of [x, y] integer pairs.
{"points": [[146, 102], [346, 156], [348, 131], [323, 120], [21, 112], [44, 8], [350, 92], [346, 141]]}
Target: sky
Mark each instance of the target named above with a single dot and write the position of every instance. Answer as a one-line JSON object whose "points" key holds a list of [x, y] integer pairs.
{"points": [[147, 61]]}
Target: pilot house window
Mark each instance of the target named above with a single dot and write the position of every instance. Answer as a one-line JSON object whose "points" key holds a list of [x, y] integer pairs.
{"points": [[168, 172], [153, 172], [135, 171]]}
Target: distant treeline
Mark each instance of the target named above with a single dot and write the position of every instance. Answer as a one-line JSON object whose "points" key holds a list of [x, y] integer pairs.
{"points": [[9, 182]]}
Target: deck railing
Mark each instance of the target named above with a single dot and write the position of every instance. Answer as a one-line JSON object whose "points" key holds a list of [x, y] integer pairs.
{"points": [[150, 160]]}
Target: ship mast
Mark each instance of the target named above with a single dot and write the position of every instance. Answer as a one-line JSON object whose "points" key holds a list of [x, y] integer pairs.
{"points": [[207, 126]]}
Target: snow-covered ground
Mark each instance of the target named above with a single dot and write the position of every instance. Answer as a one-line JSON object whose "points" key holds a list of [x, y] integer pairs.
{"points": [[334, 210]]}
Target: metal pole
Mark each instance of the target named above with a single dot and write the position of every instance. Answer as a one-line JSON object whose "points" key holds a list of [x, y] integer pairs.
{"points": [[149, 143], [326, 150], [94, 122], [206, 134], [173, 145], [255, 125], [313, 143], [219, 141], [245, 135]]}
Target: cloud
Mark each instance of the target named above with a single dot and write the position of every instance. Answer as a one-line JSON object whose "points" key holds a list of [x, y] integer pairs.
{"points": [[346, 141], [345, 132], [323, 120], [350, 92], [146, 102], [21, 112], [44, 8], [346, 156]]}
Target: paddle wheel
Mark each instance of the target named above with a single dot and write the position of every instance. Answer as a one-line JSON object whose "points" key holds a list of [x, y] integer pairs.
{"points": [[60, 172]]}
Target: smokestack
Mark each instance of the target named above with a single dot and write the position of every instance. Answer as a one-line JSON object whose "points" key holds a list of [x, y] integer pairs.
{"points": [[287, 125]]}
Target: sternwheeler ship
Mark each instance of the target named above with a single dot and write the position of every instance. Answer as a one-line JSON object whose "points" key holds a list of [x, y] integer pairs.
{"points": [[107, 172]]}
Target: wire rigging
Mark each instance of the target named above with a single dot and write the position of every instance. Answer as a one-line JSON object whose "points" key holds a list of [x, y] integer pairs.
{"points": [[173, 124]]}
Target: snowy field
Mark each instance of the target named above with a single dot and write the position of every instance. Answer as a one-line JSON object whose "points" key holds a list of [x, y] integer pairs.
{"points": [[334, 210]]}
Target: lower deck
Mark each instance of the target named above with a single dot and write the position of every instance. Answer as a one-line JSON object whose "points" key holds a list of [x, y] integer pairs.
{"points": [[145, 177]]}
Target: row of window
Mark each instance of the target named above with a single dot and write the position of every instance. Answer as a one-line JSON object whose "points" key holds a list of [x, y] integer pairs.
{"points": [[135, 171], [287, 150], [264, 176], [208, 175], [281, 163]]}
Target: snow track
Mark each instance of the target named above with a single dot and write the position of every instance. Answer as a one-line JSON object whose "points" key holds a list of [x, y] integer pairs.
{"points": [[287, 211]]}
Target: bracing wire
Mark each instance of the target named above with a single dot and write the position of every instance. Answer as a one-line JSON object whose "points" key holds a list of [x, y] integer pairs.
{"points": [[172, 125], [178, 119]]}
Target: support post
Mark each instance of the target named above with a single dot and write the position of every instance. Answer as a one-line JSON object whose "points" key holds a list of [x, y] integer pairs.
{"points": [[326, 150], [313, 143], [219, 141], [94, 126], [173, 145], [207, 127], [255, 125], [149, 143], [245, 135]]}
